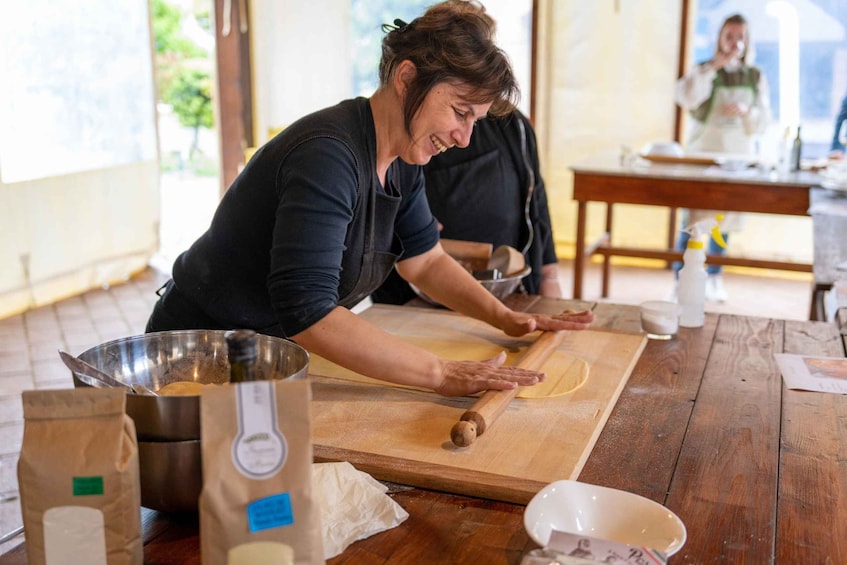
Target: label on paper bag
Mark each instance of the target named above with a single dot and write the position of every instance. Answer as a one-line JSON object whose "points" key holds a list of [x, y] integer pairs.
{"points": [[74, 535], [259, 450], [87, 486], [271, 512], [261, 552]]}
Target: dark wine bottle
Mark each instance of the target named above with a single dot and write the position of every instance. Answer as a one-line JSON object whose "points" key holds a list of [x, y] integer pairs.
{"points": [[796, 151], [242, 352]]}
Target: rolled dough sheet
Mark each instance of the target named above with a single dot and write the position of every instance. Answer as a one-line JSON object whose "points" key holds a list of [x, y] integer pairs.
{"points": [[565, 373]]}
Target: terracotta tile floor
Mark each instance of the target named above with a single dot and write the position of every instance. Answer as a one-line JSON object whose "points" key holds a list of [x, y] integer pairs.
{"points": [[29, 341], [29, 360]]}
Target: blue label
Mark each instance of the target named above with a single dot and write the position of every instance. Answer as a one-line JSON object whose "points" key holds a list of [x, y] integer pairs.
{"points": [[271, 512]]}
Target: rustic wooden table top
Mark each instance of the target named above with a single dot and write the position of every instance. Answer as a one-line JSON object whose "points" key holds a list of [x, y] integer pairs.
{"points": [[704, 426]]}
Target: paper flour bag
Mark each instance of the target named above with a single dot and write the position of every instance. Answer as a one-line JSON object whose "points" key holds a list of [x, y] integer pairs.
{"points": [[79, 479], [257, 505]]}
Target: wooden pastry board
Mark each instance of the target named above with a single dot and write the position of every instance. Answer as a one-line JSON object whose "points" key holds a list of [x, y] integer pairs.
{"points": [[403, 435]]}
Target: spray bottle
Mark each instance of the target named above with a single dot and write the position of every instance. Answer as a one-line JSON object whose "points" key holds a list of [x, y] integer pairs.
{"points": [[691, 294]]}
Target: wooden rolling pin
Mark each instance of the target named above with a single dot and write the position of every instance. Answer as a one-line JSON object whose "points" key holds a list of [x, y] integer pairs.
{"points": [[492, 403]]}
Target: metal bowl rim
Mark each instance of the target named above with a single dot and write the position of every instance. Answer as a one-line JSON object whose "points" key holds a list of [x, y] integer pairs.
{"points": [[140, 337]]}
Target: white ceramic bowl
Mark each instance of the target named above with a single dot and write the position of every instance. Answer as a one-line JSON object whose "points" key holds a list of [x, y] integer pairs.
{"points": [[604, 513], [663, 149], [735, 164]]}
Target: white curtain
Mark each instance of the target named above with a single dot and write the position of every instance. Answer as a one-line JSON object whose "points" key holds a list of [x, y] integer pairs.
{"points": [[606, 72], [79, 186]]}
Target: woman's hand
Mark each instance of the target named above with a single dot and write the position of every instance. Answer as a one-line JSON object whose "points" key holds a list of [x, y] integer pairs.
{"points": [[735, 109], [723, 58], [461, 378], [519, 323]]}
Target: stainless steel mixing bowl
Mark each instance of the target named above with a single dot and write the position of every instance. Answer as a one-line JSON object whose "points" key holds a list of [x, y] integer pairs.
{"points": [[157, 359], [501, 288], [504, 286], [168, 427], [171, 475]]}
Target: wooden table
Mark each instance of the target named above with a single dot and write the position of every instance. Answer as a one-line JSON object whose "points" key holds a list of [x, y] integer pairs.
{"points": [[704, 426], [604, 178]]}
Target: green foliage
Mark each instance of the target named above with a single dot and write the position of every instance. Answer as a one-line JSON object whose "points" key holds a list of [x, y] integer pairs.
{"points": [[167, 33], [182, 82], [174, 51], [190, 95], [204, 19]]}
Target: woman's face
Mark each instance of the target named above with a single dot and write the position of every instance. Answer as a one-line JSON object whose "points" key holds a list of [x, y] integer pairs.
{"points": [[732, 37], [445, 119]]}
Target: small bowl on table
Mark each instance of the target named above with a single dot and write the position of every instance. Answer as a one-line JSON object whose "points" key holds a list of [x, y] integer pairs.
{"points": [[603, 513], [500, 287]]}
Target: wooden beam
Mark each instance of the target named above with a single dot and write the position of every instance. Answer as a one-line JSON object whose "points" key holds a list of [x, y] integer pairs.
{"points": [[234, 79], [681, 66], [533, 61]]}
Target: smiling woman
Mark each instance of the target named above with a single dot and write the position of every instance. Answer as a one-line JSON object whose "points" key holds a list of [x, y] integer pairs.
{"points": [[324, 210]]}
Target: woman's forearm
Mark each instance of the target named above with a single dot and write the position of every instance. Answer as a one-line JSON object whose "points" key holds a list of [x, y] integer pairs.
{"points": [[354, 343], [440, 277]]}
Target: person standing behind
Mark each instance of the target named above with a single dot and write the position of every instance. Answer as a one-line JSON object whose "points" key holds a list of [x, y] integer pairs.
{"points": [[836, 150], [492, 192], [729, 100]]}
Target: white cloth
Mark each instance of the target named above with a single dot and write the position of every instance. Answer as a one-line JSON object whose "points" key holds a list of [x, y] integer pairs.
{"points": [[353, 505]]}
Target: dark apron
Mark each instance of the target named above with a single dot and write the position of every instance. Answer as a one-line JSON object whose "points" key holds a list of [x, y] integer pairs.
{"points": [[373, 240], [372, 250]]}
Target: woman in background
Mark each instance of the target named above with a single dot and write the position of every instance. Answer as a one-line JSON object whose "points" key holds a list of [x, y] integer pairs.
{"points": [[729, 100]]}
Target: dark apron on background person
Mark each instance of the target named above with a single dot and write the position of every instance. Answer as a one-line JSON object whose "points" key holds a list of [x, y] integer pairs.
{"points": [[723, 134]]}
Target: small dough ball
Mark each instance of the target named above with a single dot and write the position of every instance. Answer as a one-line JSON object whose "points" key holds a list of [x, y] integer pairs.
{"points": [[181, 388]]}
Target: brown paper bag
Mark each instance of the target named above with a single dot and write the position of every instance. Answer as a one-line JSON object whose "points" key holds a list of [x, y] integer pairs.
{"points": [[78, 477], [256, 505]]}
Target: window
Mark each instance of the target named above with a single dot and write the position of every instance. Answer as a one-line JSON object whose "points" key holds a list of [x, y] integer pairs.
{"points": [[801, 46], [514, 36], [77, 90]]}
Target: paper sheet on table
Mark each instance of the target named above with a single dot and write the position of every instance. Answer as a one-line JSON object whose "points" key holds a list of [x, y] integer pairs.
{"points": [[581, 549], [353, 505], [819, 374]]}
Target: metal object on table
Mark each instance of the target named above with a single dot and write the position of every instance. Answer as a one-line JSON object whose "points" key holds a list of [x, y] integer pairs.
{"points": [[168, 427], [500, 287], [171, 474], [89, 374], [157, 359], [94, 377], [11, 535]]}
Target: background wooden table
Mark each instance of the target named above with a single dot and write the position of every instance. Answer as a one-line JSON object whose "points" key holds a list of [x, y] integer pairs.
{"points": [[704, 426], [604, 178]]}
